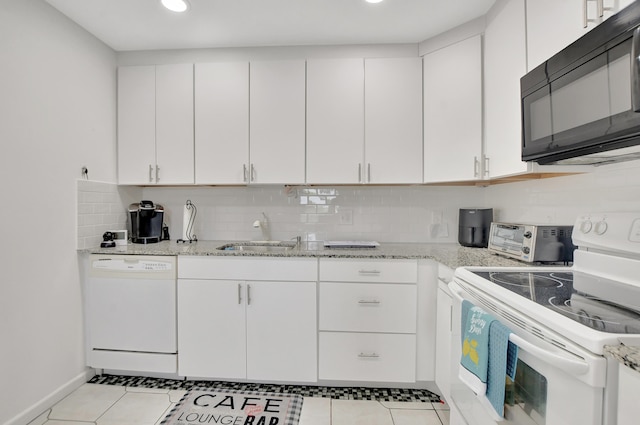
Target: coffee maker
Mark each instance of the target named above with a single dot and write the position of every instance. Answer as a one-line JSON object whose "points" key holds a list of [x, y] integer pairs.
{"points": [[474, 226], [146, 222]]}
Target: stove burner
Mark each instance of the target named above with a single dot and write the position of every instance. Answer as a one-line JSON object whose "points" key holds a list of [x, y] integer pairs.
{"points": [[529, 279]]}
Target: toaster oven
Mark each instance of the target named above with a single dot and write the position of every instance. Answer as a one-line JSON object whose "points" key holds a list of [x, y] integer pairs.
{"points": [[531, 242]]}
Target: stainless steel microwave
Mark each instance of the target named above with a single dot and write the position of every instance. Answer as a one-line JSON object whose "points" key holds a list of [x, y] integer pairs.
{"points": [[582, 106]]}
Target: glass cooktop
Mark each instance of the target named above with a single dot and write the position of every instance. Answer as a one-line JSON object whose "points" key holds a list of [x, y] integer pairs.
{"points": [[600, 304]]}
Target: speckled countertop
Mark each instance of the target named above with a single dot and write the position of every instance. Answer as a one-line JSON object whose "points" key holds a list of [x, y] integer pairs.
{"points": [[450, 254], [627, 355]]}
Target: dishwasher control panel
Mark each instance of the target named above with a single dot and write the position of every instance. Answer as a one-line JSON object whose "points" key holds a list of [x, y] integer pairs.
{"points": [[154, 267]]}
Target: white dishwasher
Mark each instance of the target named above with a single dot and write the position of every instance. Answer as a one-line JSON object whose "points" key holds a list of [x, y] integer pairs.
{"points": [[131, 313]]}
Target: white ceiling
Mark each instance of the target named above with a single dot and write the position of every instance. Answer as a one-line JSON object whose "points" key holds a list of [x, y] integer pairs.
{"points": [[146, 25]]}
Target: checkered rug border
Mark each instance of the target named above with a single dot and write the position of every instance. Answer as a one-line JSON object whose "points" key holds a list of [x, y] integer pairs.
{"points": [[338, 393]]}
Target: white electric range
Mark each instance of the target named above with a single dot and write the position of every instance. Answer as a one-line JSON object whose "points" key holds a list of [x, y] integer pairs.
{"points": [[561, 319]]}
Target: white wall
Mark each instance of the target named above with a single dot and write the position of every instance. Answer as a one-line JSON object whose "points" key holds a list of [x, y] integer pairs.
{"points": [[57, 112]]}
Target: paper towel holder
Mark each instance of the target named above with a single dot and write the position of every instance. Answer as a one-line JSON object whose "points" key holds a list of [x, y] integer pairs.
{"points": [[189, 218]]}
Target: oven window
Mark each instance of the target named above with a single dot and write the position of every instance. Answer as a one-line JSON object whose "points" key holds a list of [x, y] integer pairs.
{"points": [[526, 397]]}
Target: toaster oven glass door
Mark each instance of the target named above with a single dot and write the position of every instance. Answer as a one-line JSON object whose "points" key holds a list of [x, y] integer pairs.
{"points": [[507, 238]]}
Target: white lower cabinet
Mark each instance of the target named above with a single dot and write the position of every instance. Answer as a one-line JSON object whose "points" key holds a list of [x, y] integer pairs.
{"points": [[443, 340], [374, 357], [367, 320], [260, 326], [628, 384]]}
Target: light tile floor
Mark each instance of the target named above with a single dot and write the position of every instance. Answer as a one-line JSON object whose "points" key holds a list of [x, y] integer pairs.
{"points": [[94, 404]]}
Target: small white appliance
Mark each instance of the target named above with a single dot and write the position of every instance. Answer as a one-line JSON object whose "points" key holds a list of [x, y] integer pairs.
{"points": [[561, 318], [131, 313]]}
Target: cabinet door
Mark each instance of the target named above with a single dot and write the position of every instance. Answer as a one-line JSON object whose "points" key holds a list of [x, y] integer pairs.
{"points": [[443, 343], [335, 120], [504, 64], [277, 122], [174, 124], [453, 112], [222, 123], [211, 329], [393, 120], [282, 331], [628, 384], [552, 25], [136, 124]]}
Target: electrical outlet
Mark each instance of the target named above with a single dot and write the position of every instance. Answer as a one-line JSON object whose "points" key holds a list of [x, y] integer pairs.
{"points": [[346, 216]]}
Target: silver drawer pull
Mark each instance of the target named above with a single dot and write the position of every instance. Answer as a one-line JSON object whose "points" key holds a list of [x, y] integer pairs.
{"points": [[369, 355], [369, 302], [369, 271]]}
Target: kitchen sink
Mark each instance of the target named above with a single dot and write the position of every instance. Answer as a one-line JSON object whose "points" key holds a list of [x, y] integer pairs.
{"points": [[259, 246]]}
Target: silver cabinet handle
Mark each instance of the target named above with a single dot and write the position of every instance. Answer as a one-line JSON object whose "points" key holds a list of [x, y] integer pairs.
{"points": [[635, 70], [157, 173], [359, 173], [150, 172], [601, 8], [585, 11], [239, 294], [369, 302], [372, 355], [369, 172], [253, 173], [369, 272], [244, 172], [476, 167], [248, 294], [486, 166]]}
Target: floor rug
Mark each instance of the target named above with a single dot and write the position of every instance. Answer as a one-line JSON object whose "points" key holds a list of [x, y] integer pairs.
{"points": [[336, 393], [235, 408]]}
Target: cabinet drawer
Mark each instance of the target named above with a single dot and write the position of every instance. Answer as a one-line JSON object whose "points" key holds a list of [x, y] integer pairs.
{"points": [[367, 357], [346, 270], [244, 268], [361, 307]]}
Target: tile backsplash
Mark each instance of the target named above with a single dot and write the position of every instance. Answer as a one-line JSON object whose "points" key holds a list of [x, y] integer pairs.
{"points": [[388, 214], [383, 213], [101, 207]]}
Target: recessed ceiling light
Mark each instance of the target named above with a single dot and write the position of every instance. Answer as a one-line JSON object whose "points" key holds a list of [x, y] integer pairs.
{"points": [[373, 1], [176, 5]]}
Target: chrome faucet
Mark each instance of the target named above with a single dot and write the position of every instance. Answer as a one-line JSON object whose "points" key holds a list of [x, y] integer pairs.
{"points": [[263, 225]]}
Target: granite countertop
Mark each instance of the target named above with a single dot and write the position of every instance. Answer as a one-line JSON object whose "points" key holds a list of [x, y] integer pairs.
{"points": [[451, 255], [625, 354]]}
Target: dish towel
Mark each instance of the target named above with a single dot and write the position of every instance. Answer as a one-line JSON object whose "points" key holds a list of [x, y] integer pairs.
{"points": [[487, 357]]}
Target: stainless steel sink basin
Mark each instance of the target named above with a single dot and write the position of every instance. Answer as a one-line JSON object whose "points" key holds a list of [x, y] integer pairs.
{"points": [[259, 246]]}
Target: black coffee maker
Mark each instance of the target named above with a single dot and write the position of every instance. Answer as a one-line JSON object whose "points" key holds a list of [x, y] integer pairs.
{"points": [[146, 222], [474, 227]]}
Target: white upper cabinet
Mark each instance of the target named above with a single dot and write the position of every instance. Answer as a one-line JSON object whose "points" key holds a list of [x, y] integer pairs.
{"points": [[222, 123], [393, 121], [277, 122], [552, 25], [453, 112], [136, 124], [335, 120], [155, 124], [504, 64]]}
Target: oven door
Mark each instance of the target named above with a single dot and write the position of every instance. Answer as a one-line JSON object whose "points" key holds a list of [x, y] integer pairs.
{"points": [[552, 386]]}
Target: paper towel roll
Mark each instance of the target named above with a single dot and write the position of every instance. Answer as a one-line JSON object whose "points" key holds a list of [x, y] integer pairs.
{"points": [[188, 219]]}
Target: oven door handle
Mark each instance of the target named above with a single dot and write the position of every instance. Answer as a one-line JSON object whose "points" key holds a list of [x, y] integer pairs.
{"points": [[575, 366], [572, 366]]}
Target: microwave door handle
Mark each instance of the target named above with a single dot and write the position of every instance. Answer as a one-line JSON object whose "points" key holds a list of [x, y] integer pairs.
{"points": [[635, 70], [574, 365]]}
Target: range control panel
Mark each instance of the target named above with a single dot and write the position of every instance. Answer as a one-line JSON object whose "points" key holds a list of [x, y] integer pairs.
{"points": [[618, 232]]}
